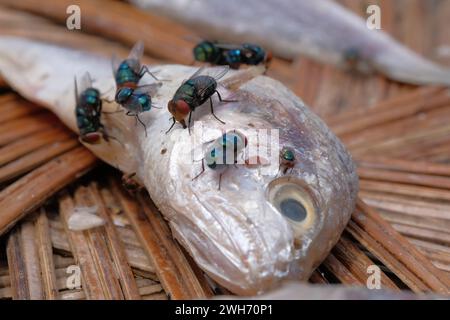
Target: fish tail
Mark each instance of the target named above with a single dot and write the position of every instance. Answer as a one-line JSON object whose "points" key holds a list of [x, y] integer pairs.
{"points": [[406, 66]]}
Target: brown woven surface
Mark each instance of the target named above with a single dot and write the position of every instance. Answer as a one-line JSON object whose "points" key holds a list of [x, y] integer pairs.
{"points": [[399, 135]]}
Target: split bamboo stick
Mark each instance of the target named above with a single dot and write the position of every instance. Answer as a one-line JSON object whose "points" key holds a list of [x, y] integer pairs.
{"points": [[173, 269], [29, 192]]}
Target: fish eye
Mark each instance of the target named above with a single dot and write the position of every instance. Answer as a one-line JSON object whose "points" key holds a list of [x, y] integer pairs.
{"points": [[292, 199], [293, 209]]}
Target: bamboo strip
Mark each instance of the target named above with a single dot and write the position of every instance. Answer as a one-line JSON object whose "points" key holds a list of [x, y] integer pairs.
{"points": [[23, 260], [404, 177], [357, 262], [411, 207], [19, 285], [81, 250], [405, 166], [96, 242], [25, 145], [136, 256], [424, 234], [400, 248], [172, 268], [13, 107], [36, 158], [16, 23], [45, 250], [27, 193], [404, 190], [422, 99], [116, 248], [121, 22], [15, 129], [340, 271]]}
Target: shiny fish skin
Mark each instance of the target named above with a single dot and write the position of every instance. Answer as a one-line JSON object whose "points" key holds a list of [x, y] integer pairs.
{"points": [[234, 234], [320, 29]]}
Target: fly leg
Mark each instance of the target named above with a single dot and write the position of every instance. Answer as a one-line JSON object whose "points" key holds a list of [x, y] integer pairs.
{"points": [[136, 117], [144, 70], [189, 122], [212, 109], [173, 123], [224, 100], [107, 137], [140, 121], [201, 172]]}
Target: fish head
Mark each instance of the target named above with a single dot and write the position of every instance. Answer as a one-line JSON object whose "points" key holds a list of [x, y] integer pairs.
{"points": [[248, 223]]}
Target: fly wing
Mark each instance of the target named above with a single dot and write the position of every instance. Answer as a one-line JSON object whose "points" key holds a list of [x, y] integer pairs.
{"points": [[215, 72], [85, 82], [133, 105], [150, 89], [227, 46], [137, 51], [76, 91], [115, 63], [135, 56]]}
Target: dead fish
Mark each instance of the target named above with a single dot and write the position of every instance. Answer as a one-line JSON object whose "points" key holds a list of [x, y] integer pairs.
{"points": [[262, 226], [320, 29]]}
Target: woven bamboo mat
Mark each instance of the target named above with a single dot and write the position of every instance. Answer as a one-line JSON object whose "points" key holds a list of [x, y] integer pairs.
{"points": [[399, 136]]}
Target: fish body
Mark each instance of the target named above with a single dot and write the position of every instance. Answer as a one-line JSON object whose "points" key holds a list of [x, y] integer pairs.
{"points": [[262, 226], [320, 29]]}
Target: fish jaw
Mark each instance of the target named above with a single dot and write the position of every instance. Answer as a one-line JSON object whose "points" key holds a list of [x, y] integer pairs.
{"points": [[237, 234]]}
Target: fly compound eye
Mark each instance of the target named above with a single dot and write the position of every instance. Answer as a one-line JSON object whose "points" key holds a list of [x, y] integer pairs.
{"points": [[293, 201]]}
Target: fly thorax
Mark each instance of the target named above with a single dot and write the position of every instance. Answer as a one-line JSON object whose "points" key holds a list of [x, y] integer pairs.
{"points": [[123, 94]]}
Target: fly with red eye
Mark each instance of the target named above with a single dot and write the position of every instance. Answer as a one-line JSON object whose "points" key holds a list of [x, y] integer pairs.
{"points": [[193, 93]]}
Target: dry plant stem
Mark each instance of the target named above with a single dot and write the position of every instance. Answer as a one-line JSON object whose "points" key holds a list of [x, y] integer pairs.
{"points": [[13, 107], [340, 271], [24, 266], [400, 248], [35, 158], [17, 267], [15, 129], [121, 22], [357, 262], [81, 251], [96, 241], [405, 165], [25, 145], [45, 250], [30, 191], [404, 177], [392, 110], [317, 277], [404, 189], [172, 267], [116, 248], [135, 255], [46, 31]]}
